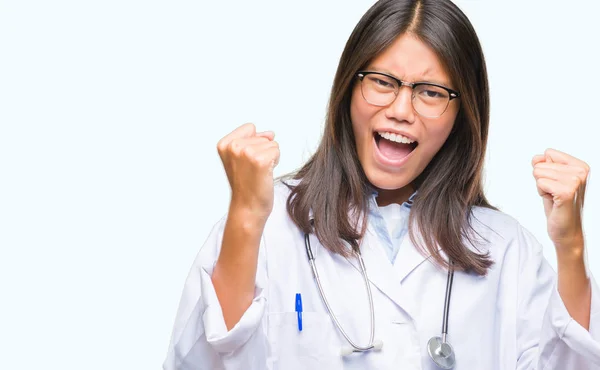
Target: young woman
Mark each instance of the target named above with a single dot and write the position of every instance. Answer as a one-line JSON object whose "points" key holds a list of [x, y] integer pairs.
{"points": [[382, 251]]}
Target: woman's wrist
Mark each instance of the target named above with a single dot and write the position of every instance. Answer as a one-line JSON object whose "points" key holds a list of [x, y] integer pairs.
{"points": [[570, 253]]}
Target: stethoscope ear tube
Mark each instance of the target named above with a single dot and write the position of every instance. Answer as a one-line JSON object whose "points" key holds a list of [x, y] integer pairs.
{"points": [[348, 350], [309, 253]]}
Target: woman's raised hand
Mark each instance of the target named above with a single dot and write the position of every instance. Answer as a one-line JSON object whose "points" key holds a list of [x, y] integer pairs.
{"points": [[561, 180], [249, 158]]}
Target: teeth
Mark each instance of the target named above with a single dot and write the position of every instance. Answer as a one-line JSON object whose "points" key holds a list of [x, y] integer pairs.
{"points": [[396, 137]]}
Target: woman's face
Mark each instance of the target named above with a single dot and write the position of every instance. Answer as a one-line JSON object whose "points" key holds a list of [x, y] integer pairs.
{"points": [[391, 166]]}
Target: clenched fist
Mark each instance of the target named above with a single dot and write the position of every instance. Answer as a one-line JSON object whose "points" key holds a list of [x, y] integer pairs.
{"points": [[561, 181], [249, 158]]}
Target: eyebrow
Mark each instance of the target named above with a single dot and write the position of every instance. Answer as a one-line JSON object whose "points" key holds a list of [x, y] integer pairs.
{"points": [[438, 82]]}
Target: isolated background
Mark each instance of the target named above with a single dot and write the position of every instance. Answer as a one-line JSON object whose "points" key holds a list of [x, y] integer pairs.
{"points": [[110, 112]]}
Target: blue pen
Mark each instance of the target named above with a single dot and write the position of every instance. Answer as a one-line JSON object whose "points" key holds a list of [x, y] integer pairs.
{"points": [[299, 310]]}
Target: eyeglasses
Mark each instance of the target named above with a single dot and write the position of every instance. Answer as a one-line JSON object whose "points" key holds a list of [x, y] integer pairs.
{"points": [[428, 99]]}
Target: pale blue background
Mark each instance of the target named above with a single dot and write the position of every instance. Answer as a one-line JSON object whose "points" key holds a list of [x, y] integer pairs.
{"points": [[110, 112]]}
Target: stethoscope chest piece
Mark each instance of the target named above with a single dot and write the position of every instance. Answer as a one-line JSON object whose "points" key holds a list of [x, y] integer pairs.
{"points": [[441, 353]]}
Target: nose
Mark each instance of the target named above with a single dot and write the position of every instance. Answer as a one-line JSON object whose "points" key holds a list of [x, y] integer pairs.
{"points": [[401, 109]]}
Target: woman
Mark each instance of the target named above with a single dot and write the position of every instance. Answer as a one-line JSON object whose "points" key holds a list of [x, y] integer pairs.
{"points": [[392, 198]]}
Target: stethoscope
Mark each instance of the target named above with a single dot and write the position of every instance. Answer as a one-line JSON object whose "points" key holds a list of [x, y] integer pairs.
{"points": [[440, 351]]}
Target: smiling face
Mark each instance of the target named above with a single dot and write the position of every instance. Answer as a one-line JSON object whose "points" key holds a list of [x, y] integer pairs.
{"points": [[384, 134]]}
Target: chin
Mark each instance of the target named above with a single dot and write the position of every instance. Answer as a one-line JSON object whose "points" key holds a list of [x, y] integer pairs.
{"points": [[388, 181]]}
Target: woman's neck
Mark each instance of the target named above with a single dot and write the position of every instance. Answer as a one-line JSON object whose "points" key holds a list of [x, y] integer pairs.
{"points": [[399, 196]]}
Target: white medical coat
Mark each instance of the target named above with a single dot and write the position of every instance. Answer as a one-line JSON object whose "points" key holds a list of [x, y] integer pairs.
{"points": [[513, 318]]}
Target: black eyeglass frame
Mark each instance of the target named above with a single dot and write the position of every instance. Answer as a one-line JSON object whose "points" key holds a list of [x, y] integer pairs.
{"points": [[452, 94]]}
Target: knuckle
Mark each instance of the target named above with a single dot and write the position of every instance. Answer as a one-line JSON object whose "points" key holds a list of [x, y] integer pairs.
{"points": [[259, 161], [235, 148], [232, 147], [249, 128], [246, 152], [222, 146]]}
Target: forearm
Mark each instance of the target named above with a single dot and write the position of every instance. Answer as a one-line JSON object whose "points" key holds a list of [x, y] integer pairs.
{"points": [[574, 285], [234, 274]]}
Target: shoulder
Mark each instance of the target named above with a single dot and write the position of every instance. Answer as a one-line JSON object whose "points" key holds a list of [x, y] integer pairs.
{"points": [[282, 190], [284, 186], [501, 232], [279, 218], [493, 221]]}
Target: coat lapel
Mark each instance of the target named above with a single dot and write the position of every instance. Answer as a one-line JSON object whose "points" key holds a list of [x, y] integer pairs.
{"points": [[386, 277], [381, 272], [408, 258]]}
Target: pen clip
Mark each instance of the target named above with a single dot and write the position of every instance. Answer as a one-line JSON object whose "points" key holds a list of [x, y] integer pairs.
{"points": [[299, 310]]}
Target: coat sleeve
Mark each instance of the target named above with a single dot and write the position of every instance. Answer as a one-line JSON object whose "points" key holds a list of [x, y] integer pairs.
{"points": [[200, 340], [548, 338]]}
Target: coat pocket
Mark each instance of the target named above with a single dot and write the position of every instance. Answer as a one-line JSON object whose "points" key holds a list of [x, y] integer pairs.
{"points": [[317, 346]]}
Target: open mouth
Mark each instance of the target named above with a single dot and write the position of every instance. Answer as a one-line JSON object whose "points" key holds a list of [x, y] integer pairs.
{"points": [[394, 146]]}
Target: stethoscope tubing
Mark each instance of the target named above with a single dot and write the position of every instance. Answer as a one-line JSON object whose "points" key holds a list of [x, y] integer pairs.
{"points": [[449, 282], [445, 361], [355, 346]]}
